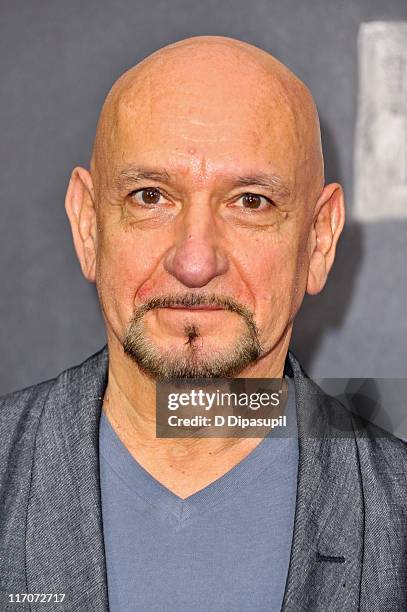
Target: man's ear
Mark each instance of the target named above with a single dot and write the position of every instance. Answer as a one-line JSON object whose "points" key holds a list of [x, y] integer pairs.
{"points": [[328, 222], [80, 208]]}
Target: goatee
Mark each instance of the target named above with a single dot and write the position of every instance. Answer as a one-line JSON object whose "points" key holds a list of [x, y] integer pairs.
{"points": [[191, 361]]}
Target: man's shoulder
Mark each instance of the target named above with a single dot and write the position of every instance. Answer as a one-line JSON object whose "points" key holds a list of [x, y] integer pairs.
{"points": [[20, 410], [382, 461], [367, 434], [378, 448]]}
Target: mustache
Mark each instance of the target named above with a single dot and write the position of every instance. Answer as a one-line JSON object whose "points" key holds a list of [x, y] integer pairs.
{"points": [[196, 299]]}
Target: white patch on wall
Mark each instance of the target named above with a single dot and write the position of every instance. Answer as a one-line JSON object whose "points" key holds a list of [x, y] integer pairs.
{"points": [[380, 163]]}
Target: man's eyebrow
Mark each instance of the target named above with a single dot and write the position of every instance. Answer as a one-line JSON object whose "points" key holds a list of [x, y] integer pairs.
{"points": [[273, 182], [132, 175]]}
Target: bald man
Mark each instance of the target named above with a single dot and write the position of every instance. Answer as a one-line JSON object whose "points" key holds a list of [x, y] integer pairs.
{"points": [[203, 220]]}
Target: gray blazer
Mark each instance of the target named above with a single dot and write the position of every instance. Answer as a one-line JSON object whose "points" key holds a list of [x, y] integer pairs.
{"points": [[350, 530]]}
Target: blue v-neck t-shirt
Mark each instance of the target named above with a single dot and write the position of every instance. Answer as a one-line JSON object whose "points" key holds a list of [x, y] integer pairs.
{"points": [[226, 547]]}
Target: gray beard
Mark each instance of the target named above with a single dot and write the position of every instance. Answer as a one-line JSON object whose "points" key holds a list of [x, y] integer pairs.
{"points": [[167, 365]]}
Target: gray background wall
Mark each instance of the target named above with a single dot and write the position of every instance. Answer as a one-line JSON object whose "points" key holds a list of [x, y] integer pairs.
{"points": [[57, 61]]}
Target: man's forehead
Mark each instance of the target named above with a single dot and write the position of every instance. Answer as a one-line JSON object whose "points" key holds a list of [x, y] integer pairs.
{"points": [[206, 120], [200, 153], [192, 126]]}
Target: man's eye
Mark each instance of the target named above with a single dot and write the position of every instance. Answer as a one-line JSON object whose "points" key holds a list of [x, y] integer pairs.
{"points": [[255, 201], [149, 196]]}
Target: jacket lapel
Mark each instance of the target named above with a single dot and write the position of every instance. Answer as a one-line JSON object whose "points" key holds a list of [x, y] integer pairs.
{"points": [[64, 539], [326, 557]]}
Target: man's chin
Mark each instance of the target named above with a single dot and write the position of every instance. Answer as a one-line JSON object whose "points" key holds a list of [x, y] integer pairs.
{"points": [[193, 359]]}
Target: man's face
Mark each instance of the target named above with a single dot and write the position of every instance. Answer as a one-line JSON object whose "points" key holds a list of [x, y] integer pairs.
{"points": [[203, 220]]}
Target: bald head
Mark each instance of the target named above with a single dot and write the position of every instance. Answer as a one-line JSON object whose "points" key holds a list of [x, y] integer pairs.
{"points": [[210, 89]]}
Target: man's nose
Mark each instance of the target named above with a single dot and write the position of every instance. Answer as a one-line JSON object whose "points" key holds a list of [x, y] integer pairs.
{"points": [[196, 257]]}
